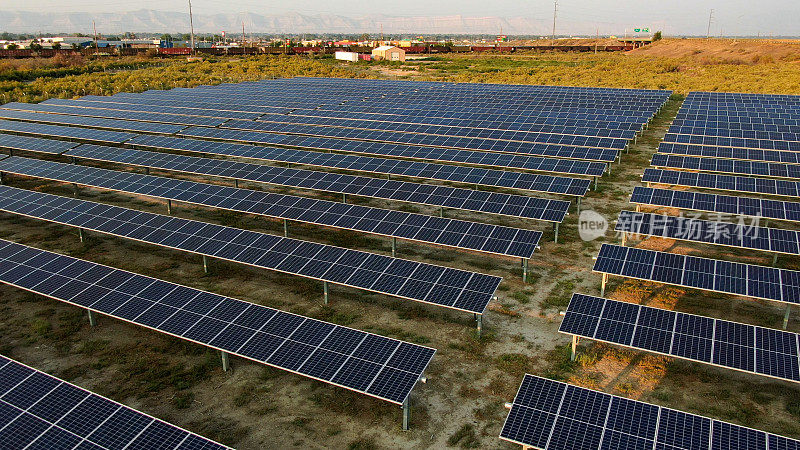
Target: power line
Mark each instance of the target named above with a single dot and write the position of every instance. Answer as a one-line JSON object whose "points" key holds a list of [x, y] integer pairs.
{"points": [[710, 16], [555, 10]]}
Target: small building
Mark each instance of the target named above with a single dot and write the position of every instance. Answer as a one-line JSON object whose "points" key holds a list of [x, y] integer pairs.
{"points": [[388, 53], [347, 56]]}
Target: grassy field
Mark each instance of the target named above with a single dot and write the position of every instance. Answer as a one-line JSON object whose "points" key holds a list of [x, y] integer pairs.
{"points": [[470, 378]]}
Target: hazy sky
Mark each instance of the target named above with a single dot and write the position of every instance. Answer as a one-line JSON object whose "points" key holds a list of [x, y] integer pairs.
{"points": [[731, 17]]}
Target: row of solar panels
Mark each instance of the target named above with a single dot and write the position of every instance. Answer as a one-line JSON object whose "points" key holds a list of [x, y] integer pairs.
{"points": [[41, 411], [440, 196], [367, 363]]}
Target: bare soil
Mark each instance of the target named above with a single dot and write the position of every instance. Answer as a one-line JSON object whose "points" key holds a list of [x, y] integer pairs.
{"points": [[744, 51]]}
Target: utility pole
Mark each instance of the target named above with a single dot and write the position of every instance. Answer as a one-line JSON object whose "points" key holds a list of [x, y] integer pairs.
{"points": [[596, 40], [94, 28], [191, 25], [244, 41], [555, 10], [710, 16]]}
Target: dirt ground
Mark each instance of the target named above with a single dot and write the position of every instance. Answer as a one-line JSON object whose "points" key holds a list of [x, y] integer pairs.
{"points": [[744, 50], [470, 378]]}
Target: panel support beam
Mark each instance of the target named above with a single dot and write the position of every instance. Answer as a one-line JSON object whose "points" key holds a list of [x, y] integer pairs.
{"points": [[406, 412], [555, 232], [603, 281], [574, 348], [524, 270], [92, 318], [205, 264], [786, 316], [325, 292], [394, 247], [226, 363]]}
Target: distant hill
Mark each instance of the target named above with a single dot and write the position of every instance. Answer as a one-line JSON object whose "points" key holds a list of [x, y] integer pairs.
{"points": [[161, 22]]}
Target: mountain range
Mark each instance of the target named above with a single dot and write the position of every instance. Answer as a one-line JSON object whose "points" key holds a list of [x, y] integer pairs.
{"points": [[150, 21]]}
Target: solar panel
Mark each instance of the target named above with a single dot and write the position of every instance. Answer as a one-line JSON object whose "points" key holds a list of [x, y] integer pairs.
{"points": [[732, 345], [724, 135], [709, 232], [149, 116], [767, 186], [493, 239], [715, 141], [83, 134], [377, 165], [728, 166], [749, 280], [42, 411], [85, 102], [724, 204], [552, 415], [442, 196], [112, 124], [451, 288], [32, 144], [255, 137], [748, 154], [363, 362]]}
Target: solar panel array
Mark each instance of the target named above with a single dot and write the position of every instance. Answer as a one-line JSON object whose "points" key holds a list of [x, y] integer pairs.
{"points": [[452, 288], [375, 365], [494, 239], [723, 343], [729, 166], [729, 234], [441, 196], [727, 277], [38, 410], [715, 203], [92, 122], [552, 415], [751, 185]]}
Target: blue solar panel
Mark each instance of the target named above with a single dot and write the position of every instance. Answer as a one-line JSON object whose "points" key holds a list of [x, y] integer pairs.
{"points": [[549, 415], [435, 230], [452, 288], [255, 332], [732, 345], [784, 188], [41, 411]]}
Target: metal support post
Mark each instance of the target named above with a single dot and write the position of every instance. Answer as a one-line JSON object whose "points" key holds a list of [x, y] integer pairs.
{"points": [[344, 197], [169, 206], [74, 190], [92, 318], [2, 178], [578, 204], [235, 183], [147, 171], [624, 238], [285, 228], [608, 168], [603, 281], [774, 259], [479, 322], [574, 353], [226, 363], [524, 270], [595, 183], [325, 292], [441, 211], [638, 208], [786, 316], [555, 232], [205, 263], [406, 412], [394, 247], [72, 160], [80, 234]]}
